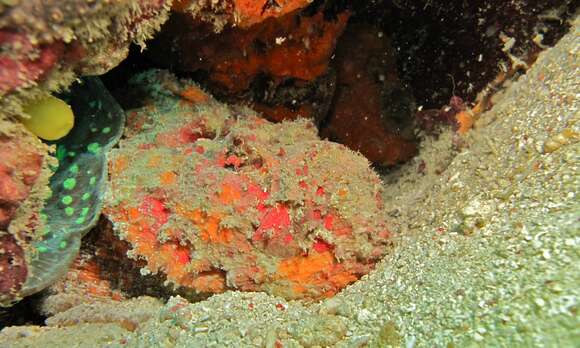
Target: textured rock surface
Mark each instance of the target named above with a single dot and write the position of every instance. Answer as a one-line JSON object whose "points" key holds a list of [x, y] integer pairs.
{"points": [[24, 176], [278, 66], [45, 44], [243, 13], [19, 170]]}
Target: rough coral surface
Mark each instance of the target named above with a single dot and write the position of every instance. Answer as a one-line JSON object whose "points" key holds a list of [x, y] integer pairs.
{"points": [[12, 266], [242, 13], [23, 181], [218, 198], [45, 43], [20, 168], [280, 65]]}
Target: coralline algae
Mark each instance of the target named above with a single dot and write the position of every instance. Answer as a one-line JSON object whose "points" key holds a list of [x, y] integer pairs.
{"points": [[217, 198]]}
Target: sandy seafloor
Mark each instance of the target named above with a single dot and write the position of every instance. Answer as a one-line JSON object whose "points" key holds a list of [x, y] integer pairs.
{"points": [[486, 254]]}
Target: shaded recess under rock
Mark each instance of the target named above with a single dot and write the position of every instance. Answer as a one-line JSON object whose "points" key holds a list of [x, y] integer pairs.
{"points": [[285, 68], [275, 66], [457, 48], [371, 111]]}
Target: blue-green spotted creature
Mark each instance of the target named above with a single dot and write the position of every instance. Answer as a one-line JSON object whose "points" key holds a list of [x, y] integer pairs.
{"points": [[78, 183]]}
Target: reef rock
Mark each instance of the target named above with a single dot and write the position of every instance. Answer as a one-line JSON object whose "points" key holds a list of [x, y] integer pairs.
{"points": [[46, 43], [280, 66]]}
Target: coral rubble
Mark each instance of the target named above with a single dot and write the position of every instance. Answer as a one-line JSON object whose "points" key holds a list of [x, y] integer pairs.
{"points": [[217, 198]]}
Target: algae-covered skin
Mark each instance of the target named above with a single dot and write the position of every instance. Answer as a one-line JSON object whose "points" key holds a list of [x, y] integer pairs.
{"points": [[217, 198], [488, 253]]}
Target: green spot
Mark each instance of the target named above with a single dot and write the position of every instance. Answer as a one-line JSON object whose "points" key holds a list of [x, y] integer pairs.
{"points": [[92, 180], [69, 211], [66, 200], [60, 152], [74, 169], [94, 148], [42, 249], [106, 130], [84, 212], [72, 154], [92, 103], [86, 196], [80, 220], [62, 244], [43, 217], [69, 183], [94, 130]]}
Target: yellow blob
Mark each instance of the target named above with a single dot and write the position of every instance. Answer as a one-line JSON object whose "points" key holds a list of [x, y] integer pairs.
{"points": [[50, 118]]}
